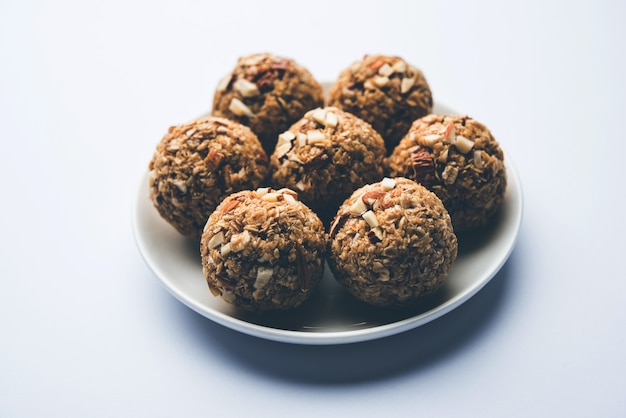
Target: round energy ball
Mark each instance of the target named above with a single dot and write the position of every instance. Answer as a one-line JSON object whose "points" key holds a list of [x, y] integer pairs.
{"points": [[196, 164], [325, 156], [267, 93], [459, 160], [386, 92], [391, 243], [263, 250]]}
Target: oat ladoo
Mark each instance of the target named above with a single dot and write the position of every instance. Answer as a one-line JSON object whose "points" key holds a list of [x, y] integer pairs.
{"points": [[392, 243], [197, 164], [263, 250], [385, 91], [268, 93], [458, 159], [325, 156]]}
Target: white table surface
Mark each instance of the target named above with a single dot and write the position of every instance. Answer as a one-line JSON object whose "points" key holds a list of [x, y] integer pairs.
{"points": [[88, 88]]}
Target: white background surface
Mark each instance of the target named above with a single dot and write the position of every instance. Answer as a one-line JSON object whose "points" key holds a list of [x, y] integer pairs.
{"points": [[88, 88]]}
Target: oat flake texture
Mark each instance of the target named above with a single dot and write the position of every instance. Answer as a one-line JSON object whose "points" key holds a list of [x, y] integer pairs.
{"points": [[197, 164], [325, 156], [268, 93], [263, 250], [385, 91], [392, 243], [458, 159]]}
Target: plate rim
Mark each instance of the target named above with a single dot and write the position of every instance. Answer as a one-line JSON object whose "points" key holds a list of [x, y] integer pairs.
{"points": [[343, 336]]}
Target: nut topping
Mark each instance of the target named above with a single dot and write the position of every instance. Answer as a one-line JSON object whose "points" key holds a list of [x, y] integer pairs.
{"points": [[317, 162], [388, 184], [449, 174], [180, 186], [230, 205], [290, 198], [225, 250], [406, 84], [315, 136], [224, 82], [302, 269], [282, 149], [381, 81], [338, 222], [286, 136], [323, 117], [239, 108], [450, 134], [280, 64], [265, 80], [272, 197], [478, 159], [331, 120], [399, 66], [288, 193], [212, 160], [302, 138], [263, 276], [239, 241], [385, 70], [370, 197], [423, 165], [319, 116], [262, 191], [463, 144], [216, 240], [375, 235], [370, 218], [358, 207], [300, 185], [246, 88]]}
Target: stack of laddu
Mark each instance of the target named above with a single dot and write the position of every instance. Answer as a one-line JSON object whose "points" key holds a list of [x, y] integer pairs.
{"points": [[279, 179]]}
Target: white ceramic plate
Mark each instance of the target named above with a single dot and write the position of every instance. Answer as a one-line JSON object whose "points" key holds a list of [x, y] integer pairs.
{"points": [[331, 315]]}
